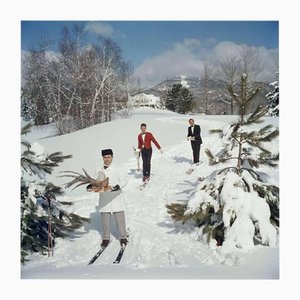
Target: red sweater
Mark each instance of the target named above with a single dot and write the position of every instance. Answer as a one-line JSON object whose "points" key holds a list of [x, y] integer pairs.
{"points": [[148, 139]]}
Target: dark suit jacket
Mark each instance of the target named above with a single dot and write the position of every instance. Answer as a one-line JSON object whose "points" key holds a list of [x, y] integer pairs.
{"points": [[197, 133]]}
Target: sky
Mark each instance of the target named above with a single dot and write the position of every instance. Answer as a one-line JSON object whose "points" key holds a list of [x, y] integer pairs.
{"points": [[162, 49]]}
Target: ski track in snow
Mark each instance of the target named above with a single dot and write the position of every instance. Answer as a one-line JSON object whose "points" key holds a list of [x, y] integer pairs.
{"points": [[163, 247]]}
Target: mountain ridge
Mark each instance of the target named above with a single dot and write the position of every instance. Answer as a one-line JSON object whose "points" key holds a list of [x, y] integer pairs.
{"points": [[216, 90]]}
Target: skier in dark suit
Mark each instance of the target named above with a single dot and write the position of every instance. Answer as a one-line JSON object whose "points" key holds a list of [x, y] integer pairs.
{"points": [[194, 135]]}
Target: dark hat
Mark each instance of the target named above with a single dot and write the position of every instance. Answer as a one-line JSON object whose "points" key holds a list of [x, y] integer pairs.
{"points": [[107, 152]]}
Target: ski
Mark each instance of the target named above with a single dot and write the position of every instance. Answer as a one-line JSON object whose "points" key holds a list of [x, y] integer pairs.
{"points": [[143, 185], [120, 254], [97, 255], [192, 169], [122, 249]]}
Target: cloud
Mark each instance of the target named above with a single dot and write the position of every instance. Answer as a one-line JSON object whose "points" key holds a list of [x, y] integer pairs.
{"points": [[101, 28], [267, 57], [187, 58], [182, 59], [226, 49]]}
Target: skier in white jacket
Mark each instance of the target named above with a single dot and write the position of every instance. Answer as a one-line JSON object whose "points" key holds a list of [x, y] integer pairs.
{"points": [[112, 203]]}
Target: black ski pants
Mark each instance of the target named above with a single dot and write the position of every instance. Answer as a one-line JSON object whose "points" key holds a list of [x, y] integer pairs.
{"points": [[146, 156], [196, 151]]}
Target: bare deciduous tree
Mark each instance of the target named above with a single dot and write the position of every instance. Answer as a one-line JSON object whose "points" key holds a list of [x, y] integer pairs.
{"points": [[233, 67], [251, 63], [206, 77], [230, 68], [80, 85]]}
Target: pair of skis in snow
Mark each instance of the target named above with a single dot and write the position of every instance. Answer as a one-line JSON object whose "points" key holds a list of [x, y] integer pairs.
{"points": [[102, 249]]}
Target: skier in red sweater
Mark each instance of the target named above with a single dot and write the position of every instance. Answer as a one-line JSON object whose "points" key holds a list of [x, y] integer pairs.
{"points": [[144, 145]]}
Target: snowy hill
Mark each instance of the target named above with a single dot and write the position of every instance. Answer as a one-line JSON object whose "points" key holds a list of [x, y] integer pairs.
{"points": [[158, 248]]}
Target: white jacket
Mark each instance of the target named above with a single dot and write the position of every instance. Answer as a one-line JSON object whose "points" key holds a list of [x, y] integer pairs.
{"points": [[112, 201]]}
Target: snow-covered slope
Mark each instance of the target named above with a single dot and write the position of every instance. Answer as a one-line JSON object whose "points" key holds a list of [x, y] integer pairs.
{"points": [[158, 248]]}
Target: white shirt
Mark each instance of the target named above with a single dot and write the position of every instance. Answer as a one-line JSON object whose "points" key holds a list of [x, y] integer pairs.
{"points": [[143, 137], [112, 201]]}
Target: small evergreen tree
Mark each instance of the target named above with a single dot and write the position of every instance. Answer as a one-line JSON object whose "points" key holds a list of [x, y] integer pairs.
{"points": [[186, 101], [179, 99], [40, 210], [273, 98], [235, 204], [173, 97]]}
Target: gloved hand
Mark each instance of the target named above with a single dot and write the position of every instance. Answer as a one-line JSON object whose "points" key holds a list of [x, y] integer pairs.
{"points": [[89, 188], [137, 153], [115, 188]]}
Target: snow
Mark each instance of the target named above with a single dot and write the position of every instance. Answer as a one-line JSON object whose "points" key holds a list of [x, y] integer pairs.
{"points": [[39, 132], [184, 81], [158, 248], [243, 203], [38, 149], [247, 207]]}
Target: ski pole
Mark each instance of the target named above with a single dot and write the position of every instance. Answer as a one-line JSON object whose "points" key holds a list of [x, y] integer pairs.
{"points": [[50, 245]]}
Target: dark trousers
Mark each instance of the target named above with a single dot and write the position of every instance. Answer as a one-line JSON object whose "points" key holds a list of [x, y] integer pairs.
{"points": [[196, 151], [146, 156]]}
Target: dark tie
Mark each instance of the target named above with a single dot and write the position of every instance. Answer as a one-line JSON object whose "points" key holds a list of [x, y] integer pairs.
{"points": [[105, 167]]}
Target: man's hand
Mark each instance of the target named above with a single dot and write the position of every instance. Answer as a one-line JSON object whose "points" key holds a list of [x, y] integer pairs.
{"points": [[137, 153], [115, 188], [89, 188]]}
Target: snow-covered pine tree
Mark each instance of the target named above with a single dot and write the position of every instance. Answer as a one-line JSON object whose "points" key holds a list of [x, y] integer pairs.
{"points": [[235, 204], [273, 98], [39, 203]]}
